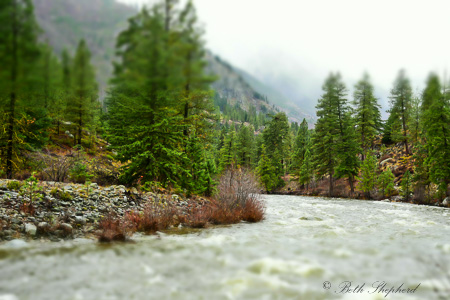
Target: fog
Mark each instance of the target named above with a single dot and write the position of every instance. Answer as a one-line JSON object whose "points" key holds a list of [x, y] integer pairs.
{"points": [[294, 44]]}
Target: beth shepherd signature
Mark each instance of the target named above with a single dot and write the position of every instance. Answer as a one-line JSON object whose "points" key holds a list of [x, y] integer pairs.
{"points": [[379, 287]]}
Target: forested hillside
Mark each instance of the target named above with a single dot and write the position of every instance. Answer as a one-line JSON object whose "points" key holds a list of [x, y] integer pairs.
{"points": [[162, 125], [241, 89], [99, 22]]}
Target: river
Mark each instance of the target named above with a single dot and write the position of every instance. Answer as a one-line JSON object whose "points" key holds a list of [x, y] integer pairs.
{"points": [[306, 248]]}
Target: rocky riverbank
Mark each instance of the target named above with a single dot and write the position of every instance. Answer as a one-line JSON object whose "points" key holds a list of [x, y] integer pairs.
{"points": [[341, 191], [55, 211]]}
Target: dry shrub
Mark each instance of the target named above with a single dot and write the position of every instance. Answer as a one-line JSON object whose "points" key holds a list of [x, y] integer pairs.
{"points": [[198, 217], [236, 186], [253, 211], [154, 217], [237, 198], [226, 215], [27, 208], [114, 229], [55, 167]]}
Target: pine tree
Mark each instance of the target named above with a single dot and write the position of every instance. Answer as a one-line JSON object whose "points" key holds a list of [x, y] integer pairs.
{"points": [[332, 133], [246, 146], [228, 153], [367, 180], [387, 130], [143, 125], [51, 84], [82, 103], [421, 176], [18, 56], [436, 117], [200, 179], [277, 141], [414, 124], [306, 170], [406, 186], [367, 112], [266, 171], [348, 149], [432, 91], [66, 92], [400, 101], [196, 101], [385, 182], [302, 140]]}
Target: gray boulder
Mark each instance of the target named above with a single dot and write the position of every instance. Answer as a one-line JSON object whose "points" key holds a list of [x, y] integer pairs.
{"points": [[446, 201], [67, 228], [80, 220], [30, 229]]}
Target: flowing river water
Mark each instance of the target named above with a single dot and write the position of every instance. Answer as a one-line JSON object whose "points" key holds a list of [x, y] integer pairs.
{"points": [[306, 248]]}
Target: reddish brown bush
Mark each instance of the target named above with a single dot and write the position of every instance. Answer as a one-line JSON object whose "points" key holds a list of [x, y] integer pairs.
{"points": [[154, 217], [253, 211], [237, 198], [198, 217], [27, 208], [114, 229], [225, 213]]}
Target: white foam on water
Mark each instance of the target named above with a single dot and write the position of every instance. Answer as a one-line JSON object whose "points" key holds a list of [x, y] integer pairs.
{"points": [[216, 240], [444, 247], [283, 257], [8, 297], [269, 265], [16, 244]]}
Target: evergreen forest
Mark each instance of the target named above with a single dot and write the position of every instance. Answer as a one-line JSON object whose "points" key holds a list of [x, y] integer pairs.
{"points": [[160, 124]]}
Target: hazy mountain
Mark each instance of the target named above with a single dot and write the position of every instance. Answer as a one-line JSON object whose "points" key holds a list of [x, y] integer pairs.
{"points": [[65, 22], [244, 89], [100, 21]]}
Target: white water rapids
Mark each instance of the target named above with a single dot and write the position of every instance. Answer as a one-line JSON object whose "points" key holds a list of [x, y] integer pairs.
{"points": [[302, 243]]}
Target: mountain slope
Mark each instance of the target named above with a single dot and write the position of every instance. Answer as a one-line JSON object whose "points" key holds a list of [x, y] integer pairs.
{"points": [[231, 85], [241, 88], [293, 111], [99, 22]]}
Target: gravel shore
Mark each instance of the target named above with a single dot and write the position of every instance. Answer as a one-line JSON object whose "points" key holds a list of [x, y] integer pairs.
{"points": [[67, 210]]}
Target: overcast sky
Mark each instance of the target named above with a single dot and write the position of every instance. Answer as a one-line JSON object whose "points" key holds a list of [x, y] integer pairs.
{"points": [[303, 40]]}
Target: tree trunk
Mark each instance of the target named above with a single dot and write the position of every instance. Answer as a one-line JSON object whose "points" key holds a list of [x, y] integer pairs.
{"points": [[167, 19], [187, 89], [330, 191], [79, 123], [404, 128], [10, 144], [12, 103], [350, 181]]}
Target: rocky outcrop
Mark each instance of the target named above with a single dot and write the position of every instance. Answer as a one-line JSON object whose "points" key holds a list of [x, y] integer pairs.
{"points": [[72, 210]]}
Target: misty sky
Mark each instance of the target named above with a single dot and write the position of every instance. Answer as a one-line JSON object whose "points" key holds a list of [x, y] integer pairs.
{"points": [[294, 44]]}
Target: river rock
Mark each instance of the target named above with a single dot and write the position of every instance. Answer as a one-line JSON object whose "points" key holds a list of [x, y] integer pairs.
{"points": [[80, 220], [386, 161], [446, 201], [67, 228], [397, 198], [30, 229], [43, 227]]}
